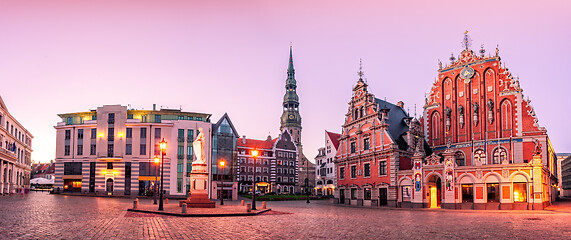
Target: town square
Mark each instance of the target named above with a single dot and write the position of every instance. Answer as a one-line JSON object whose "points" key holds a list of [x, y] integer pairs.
{"points": [[284, 120]]}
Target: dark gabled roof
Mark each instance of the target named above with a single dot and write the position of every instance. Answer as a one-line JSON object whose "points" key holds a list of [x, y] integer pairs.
{"points": [[217, 124], [396, 121]]}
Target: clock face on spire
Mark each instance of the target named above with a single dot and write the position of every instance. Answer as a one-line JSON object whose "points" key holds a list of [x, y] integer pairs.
{"points": [[291, 116]]}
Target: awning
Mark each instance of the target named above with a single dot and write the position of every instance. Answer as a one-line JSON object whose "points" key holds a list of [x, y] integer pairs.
{"points": [[42, 181]]}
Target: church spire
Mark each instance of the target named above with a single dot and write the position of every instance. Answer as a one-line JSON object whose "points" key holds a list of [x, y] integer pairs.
{"points": [[290, 70]]}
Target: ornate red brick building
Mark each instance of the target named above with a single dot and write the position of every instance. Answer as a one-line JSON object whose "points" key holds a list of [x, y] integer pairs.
{"points": [[478, 144], [489, 151]]}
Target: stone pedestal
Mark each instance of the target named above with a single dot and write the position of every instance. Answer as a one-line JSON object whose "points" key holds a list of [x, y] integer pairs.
{"points": [[198, 197]]}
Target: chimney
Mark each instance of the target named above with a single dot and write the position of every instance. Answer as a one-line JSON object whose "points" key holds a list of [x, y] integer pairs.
{"points": [[400, 104], [154, 106], [243, 139]]}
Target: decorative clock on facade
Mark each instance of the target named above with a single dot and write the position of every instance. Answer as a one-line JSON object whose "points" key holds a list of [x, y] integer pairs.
{"points": [[291, 116], [466, 74]]}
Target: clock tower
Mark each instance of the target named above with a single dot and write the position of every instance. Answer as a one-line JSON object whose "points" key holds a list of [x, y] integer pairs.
{"points": [[290, 118]]}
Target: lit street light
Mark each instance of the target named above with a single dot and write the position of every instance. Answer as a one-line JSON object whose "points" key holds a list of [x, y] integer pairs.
{"points": [[254, 155], [163, 146], [157, 160], [222, 163]]}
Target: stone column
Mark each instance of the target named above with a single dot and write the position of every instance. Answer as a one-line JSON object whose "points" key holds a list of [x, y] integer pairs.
{"points": [[449, 162], [537, 194]]}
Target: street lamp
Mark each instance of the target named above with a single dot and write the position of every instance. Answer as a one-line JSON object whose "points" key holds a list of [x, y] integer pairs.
{"points": [[307, 178], [254, 155], [163, 147], [157, 160], [222, 163]]}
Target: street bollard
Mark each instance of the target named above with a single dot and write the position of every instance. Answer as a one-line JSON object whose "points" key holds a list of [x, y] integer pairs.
{"points": [[242, 203], [135, 204], [166, 201], [248, 207], [184, 208], [264, 205]]}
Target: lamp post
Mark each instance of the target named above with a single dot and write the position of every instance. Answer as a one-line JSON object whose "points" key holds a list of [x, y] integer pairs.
{"points": [[254, 155], [222, 163], [307, 179], [156, 173], [163, 146]]}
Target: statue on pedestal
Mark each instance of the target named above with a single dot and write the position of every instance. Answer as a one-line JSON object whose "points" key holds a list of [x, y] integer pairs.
{"points": [[198, 146]]}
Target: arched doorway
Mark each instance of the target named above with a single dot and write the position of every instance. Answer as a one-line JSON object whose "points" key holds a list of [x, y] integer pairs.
{"points": [[109, 186], [434, 185]]}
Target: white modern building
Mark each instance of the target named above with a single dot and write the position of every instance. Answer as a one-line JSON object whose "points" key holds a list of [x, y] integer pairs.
{"points": [[325, 180], [111, 150], [15, 153]]}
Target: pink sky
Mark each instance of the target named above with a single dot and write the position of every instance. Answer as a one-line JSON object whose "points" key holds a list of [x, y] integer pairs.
{"points": [[231, 56]]}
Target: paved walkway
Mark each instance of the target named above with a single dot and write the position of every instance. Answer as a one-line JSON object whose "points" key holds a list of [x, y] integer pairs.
{"points": [[44, 216]]}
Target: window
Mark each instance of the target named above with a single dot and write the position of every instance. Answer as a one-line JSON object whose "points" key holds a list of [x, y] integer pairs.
{"points": [[148, 169], [110, 149], [72, 168], [80, 134], [143, 149], [93, 133], [353, 193], [198, 118], [480, 156], [460, 159], [341, 172], [258, 169], [110, 134], [353, 147], [366, 144], [181, 135], [129, 133], [68, 121], [467, 193], [129, 116], [109, 165], [500, 155], [382, 167], [67, 134], [157, 133], [190, 135], [493, 192], [353, 171], [92, 149], [143, 133], [157, 118], [520, 193], [80, 149], [129, 149], [111, 119], [367, 169], [66, 150], [367, 194], [180, 117]]}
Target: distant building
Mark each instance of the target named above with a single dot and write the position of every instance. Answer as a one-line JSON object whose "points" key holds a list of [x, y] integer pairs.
{"points": [[565, 176], [325, 177], [224, 137], [275, 167], [43, 170], [111, 150], [15, 153]]}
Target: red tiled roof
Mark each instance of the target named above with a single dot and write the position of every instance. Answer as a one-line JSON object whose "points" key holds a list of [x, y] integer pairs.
{"points": [[254, 143], [334, 138]]}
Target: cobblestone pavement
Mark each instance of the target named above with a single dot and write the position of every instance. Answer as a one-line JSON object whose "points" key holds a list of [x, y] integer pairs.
{"points": [[44, 216]]}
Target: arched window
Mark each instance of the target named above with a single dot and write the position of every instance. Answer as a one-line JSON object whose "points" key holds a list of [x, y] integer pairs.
{"points": [[500, 154], [480, 156], [435, 130], [506, 116], [362, 111], [356, 115], [460, 158]]}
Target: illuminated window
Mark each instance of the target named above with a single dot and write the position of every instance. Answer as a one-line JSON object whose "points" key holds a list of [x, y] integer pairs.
{"points": [[500, 155], [467, 193], [480, 156], [367, 194], [493, 192], [520, 192]]}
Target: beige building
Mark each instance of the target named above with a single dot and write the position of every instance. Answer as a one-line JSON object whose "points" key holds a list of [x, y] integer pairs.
{"points": [[111, 150], [15, 153]]}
